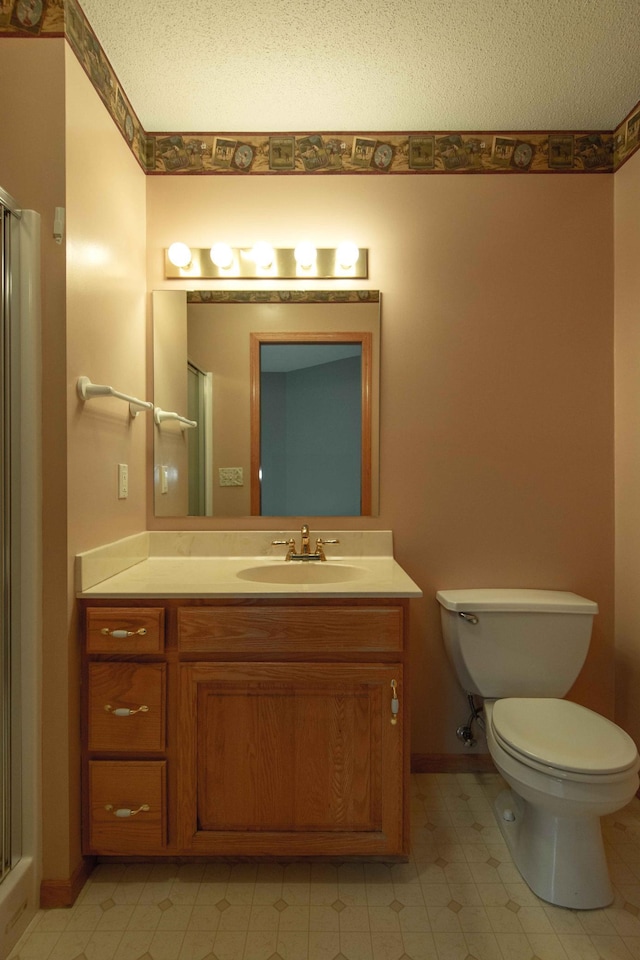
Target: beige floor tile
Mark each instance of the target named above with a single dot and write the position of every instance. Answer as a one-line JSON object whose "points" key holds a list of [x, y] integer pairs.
{"points": [[354, 919], [387, 946], [443, 920], [116, 918], [145, 917], [534, 920], [450, 946], [260, 944], [265, 917], [493, 894], [383, 919], [235, 919], [229, 946], [323, 945], [176, 917], [466, 894], [323, 919], [166, 945], [414, 920], [133, 944], [483, 946], [294, 918], [355, 946], [292, 945], [514, 946], [84, 917], [633, 946], [69, 945], [547, 946], [379, 894], [578, 947], [408, 894], [419, 946], [36, 945], [474, 920], [196, 945], [611, 948], [436, 894], [198, 893], [204, 918], [102, 946]]}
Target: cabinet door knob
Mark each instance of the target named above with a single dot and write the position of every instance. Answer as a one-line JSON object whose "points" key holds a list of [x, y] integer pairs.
{"points": [[122, 634], [395, 703], [126, 711], [127, 811]]}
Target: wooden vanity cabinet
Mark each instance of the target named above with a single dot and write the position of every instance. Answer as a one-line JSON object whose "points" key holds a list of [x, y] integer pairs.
{"points": [[273, 728]]}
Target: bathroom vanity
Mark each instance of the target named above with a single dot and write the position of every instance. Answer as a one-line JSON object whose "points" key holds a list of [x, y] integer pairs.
{"points": [[225, 715]]}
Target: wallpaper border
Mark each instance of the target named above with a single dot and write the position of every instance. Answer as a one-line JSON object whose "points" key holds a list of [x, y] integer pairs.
{"points": [[318, 153]]}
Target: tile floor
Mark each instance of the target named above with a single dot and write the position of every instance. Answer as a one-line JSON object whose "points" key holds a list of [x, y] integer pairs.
{"points": [[458, 898]]}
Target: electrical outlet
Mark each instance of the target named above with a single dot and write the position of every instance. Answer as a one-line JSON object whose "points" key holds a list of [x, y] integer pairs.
{"points": [[230, 477], [123, 481]]}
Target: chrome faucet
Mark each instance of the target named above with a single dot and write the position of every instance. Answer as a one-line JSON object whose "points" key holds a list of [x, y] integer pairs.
{"points": [[305, 548]]}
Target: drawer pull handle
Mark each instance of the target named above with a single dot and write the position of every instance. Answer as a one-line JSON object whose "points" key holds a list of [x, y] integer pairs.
{"points": [[123, 812], [122, 634], [395, 703], [126, 711]]}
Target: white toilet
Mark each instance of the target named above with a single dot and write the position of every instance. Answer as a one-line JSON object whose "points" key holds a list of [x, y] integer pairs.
{"points": [[567, 766]]}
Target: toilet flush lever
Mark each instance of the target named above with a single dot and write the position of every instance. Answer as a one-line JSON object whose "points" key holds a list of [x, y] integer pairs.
{"points": [[469, 617]]}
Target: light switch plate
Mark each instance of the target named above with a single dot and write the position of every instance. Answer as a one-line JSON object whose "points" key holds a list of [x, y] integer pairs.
{"points": [[230, 477], [123, 481]]}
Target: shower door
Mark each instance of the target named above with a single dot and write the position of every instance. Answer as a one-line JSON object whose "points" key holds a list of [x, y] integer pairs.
{"points": [[5, 545]]}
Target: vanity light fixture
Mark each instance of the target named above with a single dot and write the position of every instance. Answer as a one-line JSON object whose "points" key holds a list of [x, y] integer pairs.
{"points": [[263, 254], [263, 261], [347, 254], [305, 254], [221, 255], [179, 254]]}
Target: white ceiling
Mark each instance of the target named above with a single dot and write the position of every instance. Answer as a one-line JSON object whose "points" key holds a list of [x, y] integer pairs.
{"points": [[258, 66]]}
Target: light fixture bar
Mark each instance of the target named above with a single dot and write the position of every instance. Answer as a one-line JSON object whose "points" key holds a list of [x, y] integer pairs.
{"points": [[284, 266]]}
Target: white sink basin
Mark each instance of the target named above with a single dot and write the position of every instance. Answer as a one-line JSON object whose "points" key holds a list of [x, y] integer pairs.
{"points": [[302, 571]]}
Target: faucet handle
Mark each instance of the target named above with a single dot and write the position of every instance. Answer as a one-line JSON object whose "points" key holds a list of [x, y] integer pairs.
{"points": [[320, 546], [291, 544]]}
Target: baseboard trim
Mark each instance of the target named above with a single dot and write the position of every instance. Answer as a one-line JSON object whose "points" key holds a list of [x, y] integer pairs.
{"points": [[63, 893], [452, 763]]}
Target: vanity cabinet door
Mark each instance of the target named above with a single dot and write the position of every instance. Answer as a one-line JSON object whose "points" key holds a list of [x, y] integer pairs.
{"points": [[291, 759]]}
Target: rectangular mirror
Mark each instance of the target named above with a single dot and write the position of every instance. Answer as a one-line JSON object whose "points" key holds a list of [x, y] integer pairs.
{"points": [[283, 387]]}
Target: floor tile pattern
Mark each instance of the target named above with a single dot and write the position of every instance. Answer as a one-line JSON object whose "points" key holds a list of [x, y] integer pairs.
{"points": [[458, 898]]}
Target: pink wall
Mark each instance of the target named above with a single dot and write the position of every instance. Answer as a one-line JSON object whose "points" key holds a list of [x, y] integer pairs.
{"points": [[627, 401], [497, 380], [106, 331]]}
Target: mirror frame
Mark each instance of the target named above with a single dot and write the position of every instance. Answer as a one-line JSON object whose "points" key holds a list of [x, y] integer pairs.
{"points": [[364, 338]]}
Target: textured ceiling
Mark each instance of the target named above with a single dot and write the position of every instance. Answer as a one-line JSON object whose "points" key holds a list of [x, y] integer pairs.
{"points": [[376, 65]]}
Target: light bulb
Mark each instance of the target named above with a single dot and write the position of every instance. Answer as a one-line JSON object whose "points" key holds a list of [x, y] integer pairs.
{"points": [[262, 254], [221, 255], [305, 254], [179, 254], [347, 254]]}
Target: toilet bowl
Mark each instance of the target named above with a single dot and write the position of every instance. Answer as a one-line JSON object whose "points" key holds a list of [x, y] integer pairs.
{"points": [[565, 765]]}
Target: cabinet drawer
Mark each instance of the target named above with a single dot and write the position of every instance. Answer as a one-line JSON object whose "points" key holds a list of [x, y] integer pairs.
{"points": [[332, 631], [115, 688], [127, 806], [125, 630]]}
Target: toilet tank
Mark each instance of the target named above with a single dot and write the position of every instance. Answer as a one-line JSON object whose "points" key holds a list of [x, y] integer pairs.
{"points": [[516, 643]]}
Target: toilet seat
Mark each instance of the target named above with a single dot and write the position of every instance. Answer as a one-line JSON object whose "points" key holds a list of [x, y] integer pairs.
{"points": [[562, 739]]}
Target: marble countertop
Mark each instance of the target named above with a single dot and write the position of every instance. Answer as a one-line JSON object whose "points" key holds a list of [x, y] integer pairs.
{"points": [[225, 564]]}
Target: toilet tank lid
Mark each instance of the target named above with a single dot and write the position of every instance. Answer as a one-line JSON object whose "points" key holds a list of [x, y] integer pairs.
{"points": [[516, 601]]}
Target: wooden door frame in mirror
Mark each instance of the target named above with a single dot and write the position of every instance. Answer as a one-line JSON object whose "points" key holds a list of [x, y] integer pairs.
{"points": [[365, 339]]}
